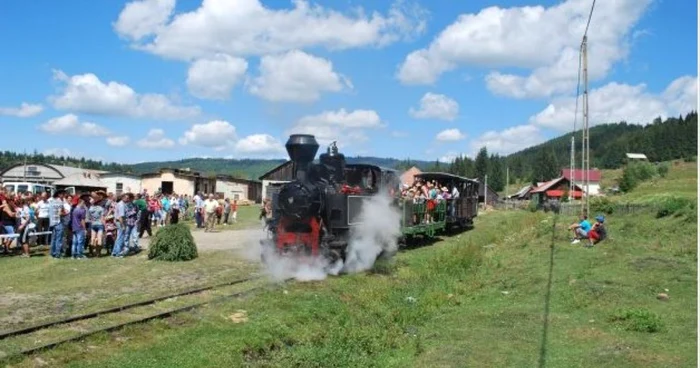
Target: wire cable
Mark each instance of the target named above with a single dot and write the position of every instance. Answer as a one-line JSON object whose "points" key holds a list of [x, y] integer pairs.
{"points": [[590, 15]]}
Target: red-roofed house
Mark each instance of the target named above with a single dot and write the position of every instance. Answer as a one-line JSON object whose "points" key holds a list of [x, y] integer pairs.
{"points": [[579, 176], [554, 189]]}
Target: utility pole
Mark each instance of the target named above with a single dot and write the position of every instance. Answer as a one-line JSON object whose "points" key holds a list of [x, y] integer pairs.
{"points": [[507, 180], [585, 144], [486, 190]]}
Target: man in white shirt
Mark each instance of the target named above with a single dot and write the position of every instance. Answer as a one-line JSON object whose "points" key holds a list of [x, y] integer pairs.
{"points": [[42, 214], [210, 206]]}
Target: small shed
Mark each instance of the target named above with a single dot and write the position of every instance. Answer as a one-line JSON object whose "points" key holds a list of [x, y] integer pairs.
{"points": [[555, 189], [272, 179], [119, 183], [522, 194], [636, 157], [238, 189], [492, 195], [178, 181]]}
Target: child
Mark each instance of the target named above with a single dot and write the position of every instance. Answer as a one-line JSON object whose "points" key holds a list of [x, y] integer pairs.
{"points": [[580, 229], [597, 232], [110, 233]]}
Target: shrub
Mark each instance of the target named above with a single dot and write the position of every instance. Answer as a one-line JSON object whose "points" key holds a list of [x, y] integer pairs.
{"points": [[690, 159], [532, 207], [602, 205], [663, 169], [638, 319], [675, 205], [635, 173], [173, 243]]}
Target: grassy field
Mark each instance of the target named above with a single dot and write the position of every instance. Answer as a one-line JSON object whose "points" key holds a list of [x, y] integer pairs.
{"points": [[41, 289], [513, 292]]}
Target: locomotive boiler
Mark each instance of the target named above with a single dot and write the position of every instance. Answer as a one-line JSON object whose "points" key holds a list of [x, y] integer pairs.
{"points": [[312, 215]]}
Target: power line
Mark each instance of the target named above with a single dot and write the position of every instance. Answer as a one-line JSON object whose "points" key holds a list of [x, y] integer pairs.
{"points": [[590, 15]]}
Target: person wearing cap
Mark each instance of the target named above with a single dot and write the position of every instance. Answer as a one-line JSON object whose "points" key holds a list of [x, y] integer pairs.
{"points": [[598, 232]]}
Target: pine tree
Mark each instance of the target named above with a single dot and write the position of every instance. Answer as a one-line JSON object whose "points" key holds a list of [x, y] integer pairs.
{"points": [[497, 177], [481, 166]]}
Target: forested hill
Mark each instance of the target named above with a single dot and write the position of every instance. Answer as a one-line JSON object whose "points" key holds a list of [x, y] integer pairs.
{"points": [[671, 139], [242, 168], [254, 168]]}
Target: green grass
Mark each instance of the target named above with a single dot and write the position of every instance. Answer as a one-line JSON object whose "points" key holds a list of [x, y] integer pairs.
{"points": [[248, 217], [41, 289], [473, 300], [477, 299]]}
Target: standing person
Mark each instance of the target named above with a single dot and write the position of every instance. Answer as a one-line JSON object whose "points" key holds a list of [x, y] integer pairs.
{"points": [[42, 212], [174, 210], [26, 226], [142, 213], [131, 220], [78, 226], [165, 212], [56, 210], [8, 219], [227, 210], [96, 217], [234, 210], [199, 210], [145, 220], [210, 206], [120, 222]]}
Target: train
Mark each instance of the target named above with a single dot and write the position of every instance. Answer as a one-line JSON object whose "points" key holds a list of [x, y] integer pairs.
{"points": [[313, 214]]}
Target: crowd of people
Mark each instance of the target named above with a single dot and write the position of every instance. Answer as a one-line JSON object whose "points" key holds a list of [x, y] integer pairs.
{"points": [[430, 193], [68, 224]]}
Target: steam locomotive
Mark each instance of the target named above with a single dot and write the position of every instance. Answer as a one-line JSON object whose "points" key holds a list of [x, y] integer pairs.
{"points": [[312, 215]]}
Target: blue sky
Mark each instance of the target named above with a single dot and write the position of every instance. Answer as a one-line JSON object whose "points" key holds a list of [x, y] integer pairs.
{"points": [[164, 79]]}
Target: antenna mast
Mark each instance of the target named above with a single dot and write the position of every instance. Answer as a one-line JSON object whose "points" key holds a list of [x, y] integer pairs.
{"points": [[585, 142]]}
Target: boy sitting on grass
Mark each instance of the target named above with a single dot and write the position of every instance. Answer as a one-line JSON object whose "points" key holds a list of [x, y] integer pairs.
{"points": [[597, 233], [580, 229]]}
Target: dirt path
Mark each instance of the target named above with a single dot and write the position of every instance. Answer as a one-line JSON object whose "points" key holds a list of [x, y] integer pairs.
{"points": [[224, 240]]}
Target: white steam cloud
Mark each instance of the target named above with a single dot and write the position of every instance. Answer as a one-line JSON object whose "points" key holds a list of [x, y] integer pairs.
{"points": [[376, 234]]}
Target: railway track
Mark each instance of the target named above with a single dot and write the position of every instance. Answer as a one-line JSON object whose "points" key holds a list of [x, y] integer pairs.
{"points": [[26, 332]]}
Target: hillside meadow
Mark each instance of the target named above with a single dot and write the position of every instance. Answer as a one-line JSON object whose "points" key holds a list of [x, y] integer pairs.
{"points": [[513, 292]]}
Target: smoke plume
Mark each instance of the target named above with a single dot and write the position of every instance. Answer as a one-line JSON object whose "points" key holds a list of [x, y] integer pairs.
{"points": [[377, 234]]}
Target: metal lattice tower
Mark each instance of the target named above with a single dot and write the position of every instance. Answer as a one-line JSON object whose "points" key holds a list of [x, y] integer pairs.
{"points": [[572, 164], [585, 142]]}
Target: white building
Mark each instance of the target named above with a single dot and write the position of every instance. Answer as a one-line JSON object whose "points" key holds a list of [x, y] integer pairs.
{"points": [[42, 173], [119, 183]]}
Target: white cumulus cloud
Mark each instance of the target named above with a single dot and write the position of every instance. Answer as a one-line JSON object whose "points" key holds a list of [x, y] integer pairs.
{"points": [[545, 40], [118, 141], [86, 93], [450, 135], [345, 127], [260, 145], [247, 27], [71, 124], [215, 77], [216, 134], [296, 76], [436, 106], [615, 102], [25, 110], [156, 139], [509, 140]]}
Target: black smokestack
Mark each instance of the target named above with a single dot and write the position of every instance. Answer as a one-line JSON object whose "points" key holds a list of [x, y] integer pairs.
{"points": [[302, 149]]}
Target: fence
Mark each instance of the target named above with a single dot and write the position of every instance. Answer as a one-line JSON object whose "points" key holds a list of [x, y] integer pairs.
{"points": [[574, 208]]}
